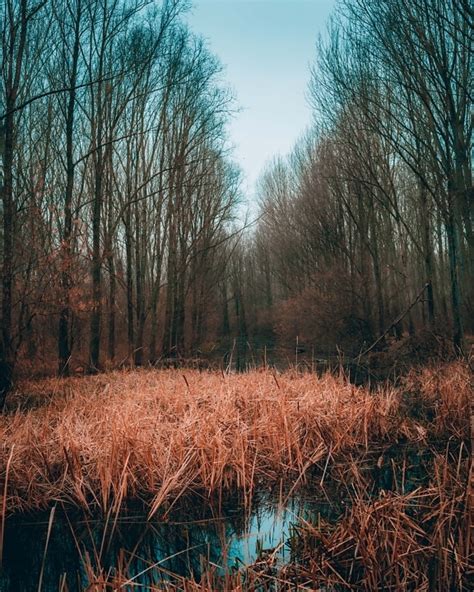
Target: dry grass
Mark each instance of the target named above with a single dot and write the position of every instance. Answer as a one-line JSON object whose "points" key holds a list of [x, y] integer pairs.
{"points": [[396, 540], [95, 442]]}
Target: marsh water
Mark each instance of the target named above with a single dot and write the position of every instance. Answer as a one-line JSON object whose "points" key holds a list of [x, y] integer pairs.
{"points": [[147, 550], [60, 552]]}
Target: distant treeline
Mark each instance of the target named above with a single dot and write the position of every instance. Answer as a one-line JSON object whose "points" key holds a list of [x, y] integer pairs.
{"points": [[117, 186], [119, 240], [377, 201]]}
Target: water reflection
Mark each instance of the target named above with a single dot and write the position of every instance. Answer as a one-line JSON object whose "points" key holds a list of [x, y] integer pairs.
{"points": [[138, 547], [81, 549]]}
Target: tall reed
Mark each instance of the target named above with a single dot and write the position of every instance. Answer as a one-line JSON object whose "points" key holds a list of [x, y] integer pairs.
{"points": [[97, 442]]}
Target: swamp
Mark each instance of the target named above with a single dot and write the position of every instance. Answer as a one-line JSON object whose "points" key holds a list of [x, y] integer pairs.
{"points": [[236, 295], [180, 479]]}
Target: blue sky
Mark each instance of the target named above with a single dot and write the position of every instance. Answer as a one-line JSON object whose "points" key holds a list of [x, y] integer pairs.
{"points": [[266, 47]]}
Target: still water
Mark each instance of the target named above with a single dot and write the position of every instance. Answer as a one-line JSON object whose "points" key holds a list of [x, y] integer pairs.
{"points": [[68, 552], [147, 551]]}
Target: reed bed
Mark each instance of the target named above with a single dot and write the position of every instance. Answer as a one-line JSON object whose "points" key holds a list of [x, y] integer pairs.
{"points": [[416, 540], [402, 540], [96, 442]]}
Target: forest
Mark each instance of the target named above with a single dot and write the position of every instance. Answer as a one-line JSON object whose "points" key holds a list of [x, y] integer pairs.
{"points": [[133, 263], [123, 230]]}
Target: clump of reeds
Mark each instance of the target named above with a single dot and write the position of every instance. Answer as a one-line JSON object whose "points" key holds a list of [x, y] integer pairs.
{"points": [[418, 540], [97, 441], [395, 540], [442, 396]]}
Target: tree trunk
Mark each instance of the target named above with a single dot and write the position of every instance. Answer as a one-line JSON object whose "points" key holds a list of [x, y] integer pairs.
{"points": [[96, 274], [428, 257], [154, 322], [129, 267], [458, 332], [112, 304], [6, 350], [65, 315]]}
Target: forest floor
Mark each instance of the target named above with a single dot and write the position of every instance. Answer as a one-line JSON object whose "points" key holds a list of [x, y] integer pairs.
{"points": [[160, 438]]}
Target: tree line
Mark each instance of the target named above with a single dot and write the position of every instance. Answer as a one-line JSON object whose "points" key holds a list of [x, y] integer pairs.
{"points": [[368, 223], [117, 182], [119, 194]]}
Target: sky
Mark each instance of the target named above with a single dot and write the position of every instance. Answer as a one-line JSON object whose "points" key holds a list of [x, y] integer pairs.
{"points": [[266, 47]]}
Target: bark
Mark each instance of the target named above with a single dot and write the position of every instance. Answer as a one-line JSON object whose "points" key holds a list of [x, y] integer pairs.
{"points": [[154, 323], [428, 256], [13, 65], [96, 273], [65, 315], [112, 306], [453, 251], [129, 281], [225, 311]]}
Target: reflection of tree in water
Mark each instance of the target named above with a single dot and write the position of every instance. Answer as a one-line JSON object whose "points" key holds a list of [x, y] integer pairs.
{"points": [[24, 551], [182, 548], [196, 534]]}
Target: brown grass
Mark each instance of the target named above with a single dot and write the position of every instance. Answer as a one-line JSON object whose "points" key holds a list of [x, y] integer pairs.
{"points": [[95, 442], [396, 540]]}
